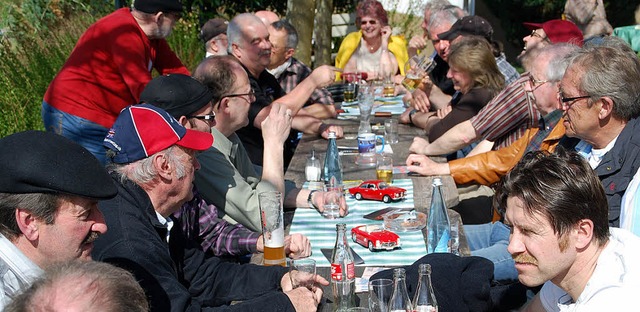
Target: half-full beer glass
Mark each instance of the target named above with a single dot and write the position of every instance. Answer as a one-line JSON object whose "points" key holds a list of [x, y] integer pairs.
{"points": [[272, 227], [418, 67]]}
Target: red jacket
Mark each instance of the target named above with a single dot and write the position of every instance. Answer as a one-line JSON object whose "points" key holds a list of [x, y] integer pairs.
{"points": [[108, 69]]}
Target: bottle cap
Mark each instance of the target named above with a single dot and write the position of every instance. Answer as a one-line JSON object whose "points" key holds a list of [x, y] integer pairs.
{"points": [[332, 135], [437, 182]]}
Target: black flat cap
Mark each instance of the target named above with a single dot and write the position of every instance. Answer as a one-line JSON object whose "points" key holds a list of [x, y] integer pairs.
{"points": [[177, 94], [470, 26], [44, 162], [155, 6]]}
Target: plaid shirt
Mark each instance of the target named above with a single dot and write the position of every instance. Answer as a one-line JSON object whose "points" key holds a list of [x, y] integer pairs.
{"points": [[545, 126], [297, 72], [200, 223], [510, 74]]}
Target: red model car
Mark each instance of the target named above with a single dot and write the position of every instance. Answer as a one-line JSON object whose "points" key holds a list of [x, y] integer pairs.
{"points": [[375, 237], [377, 190]]}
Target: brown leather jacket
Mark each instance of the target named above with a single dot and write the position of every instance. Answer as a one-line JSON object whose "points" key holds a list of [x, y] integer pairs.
{"points": [[487, 168]]}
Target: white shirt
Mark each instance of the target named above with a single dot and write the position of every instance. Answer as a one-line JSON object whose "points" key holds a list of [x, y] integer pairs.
{"points": [[16, 271], [614, 284]]}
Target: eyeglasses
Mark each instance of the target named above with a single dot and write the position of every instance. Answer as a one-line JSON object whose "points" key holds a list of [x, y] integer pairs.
{"points": [[569, 101], [535, 83], [372, 22], [251, 94], [209, 117], [535, 34]]}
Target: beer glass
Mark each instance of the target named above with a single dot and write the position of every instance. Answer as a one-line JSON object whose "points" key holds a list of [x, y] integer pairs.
{"points": [[416, 69], [384, 168], [272, 227]]}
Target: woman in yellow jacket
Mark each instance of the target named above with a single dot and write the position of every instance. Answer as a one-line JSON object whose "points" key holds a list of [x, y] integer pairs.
{"points": [[372, 49]]}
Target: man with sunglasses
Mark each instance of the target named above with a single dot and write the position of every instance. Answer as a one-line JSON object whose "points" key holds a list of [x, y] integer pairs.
{"points": [[189, 102]]}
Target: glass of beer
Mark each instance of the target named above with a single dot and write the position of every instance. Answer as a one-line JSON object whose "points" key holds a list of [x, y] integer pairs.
{"points": [[384, 167], [416, 69], [350, 91], [272, 227]]}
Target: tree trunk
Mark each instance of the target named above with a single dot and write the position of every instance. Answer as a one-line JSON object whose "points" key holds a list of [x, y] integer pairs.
{"points": [[322, 46], [300, 14]]}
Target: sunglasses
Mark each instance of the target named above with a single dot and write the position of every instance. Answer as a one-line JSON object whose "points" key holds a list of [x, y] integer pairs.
{"points": [[210, 117]]}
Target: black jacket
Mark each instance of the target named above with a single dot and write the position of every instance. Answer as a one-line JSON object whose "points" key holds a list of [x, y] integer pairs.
{"points": [[178, 276]]}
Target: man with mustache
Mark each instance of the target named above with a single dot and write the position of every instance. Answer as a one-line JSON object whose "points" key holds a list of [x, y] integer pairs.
{"points": [[49, 193], [560, 236], [249, 42], [153, 161]]}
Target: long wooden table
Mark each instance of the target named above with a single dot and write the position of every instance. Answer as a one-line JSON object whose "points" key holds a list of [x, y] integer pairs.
{"points": [[422, 187]]}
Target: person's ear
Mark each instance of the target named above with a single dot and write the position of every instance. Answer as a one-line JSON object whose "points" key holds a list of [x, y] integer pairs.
{"points": [[584, 233], [158, 17], [27, 223], [606, 107], [213, 46], [184, 121], [289, 53], [224, 105], [162, 165]]}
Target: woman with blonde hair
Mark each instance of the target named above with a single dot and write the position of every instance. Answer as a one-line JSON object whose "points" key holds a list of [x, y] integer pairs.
{"points": [[476, 79]]}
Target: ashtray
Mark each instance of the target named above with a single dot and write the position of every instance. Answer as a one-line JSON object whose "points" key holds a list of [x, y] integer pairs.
{"points": [[404, 221]]}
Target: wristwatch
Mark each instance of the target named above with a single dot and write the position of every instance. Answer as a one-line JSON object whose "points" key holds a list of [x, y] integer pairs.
{"points": [[310, 201], [411, 113]]}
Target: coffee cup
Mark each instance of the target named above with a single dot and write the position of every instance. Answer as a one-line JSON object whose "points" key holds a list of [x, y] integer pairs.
{"points": [[367, 143]]}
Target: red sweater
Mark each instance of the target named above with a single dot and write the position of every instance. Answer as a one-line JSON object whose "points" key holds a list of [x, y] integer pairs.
{"points": [[108, 69]]}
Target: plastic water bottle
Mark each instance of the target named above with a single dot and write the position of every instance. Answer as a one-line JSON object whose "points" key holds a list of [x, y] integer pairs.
{"points": [[424, 299], [343, 272], [438, 223], [332, 170], [400, 301]]}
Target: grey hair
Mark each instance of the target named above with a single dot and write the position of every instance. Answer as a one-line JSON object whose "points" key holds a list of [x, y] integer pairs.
{"points": [[43, 206], [143, 171], [558, 60], [608, 72], [235, 28], [436, 5], [292, 34], [109, 288], [440, 18], [611, 42]]}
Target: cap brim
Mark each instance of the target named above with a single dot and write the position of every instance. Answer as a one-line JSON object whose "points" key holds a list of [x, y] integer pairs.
{"points": [[196, 140], [448, 35], [532, 26]]}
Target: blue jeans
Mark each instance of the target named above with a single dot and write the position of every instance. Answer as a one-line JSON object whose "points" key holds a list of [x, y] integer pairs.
{"points": [[490, 241], [84, 132]]}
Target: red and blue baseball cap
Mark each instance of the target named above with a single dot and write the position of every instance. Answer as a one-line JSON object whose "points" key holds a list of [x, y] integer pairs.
{"points": [[143, 130]]}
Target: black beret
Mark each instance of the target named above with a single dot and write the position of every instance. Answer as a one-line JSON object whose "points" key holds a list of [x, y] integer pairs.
{"points": [[44, 162], [155, 6], [177, 94]]}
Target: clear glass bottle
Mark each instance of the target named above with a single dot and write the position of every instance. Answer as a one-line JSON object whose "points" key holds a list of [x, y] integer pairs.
{"points": [[343, 272], [438, 226], [424, 299], [400, 301], [332, 170]]}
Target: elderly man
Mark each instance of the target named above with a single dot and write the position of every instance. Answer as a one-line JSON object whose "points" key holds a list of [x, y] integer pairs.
{"points": [[111, 64], [82, 286], [214, 35], [189, 101], [49, 192], [505, 118], [153, 163], [419, 42], [560, 237], [249, 43], [267, 17], [227, 178], [290, 72]]}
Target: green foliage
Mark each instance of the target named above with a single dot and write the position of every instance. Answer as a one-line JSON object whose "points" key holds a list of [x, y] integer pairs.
{"points": [[184, 39]]}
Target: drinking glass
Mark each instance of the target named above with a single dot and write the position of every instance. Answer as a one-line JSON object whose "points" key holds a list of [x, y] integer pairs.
{"points": [[418, 67], [333, 197], [302, 273], [350, 91], [384, 168], [391, 130], [272, 227], [379, 294]]}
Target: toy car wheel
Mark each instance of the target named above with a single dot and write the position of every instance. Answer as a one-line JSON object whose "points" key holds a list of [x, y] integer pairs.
{"points": [[371, 246], [353, 237], [358, 196], [386, 198]]}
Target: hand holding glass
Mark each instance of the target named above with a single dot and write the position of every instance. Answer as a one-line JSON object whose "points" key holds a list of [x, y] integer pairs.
{"points": [[302, 273]]}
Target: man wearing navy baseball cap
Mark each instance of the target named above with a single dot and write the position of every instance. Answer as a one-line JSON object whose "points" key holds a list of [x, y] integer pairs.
{"points": [[153, 163], [49, 192]]}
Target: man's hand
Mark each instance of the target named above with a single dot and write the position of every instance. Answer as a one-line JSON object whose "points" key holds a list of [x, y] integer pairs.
{"points": [[441, 113], [325, 129], [276, 127], [318, 200], [420, 101], [304, 300], [423, 165], [419, 146], [324, 75], [418, 42], [297, 246]]}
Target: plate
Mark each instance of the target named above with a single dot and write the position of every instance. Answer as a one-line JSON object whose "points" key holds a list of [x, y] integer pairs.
{"points": [[404, 221]]}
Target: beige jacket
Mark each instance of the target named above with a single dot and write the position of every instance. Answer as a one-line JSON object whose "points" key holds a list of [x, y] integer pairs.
{"points": [[589, 16]]}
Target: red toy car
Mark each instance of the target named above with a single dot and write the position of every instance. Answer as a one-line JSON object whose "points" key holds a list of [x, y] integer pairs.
{"points": [[377, 190], [375, 237]]}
